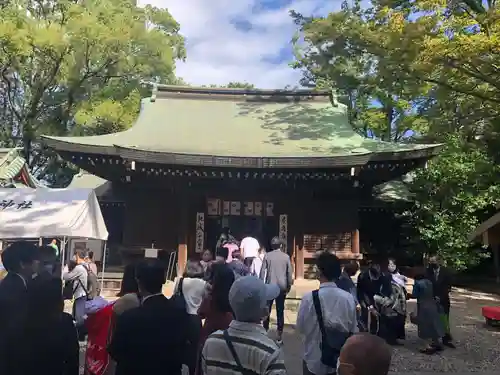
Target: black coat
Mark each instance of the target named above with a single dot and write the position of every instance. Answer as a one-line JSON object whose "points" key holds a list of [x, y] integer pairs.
{"points": [[33, 347], [53, 347], [13, 315], [442, 285], [151, 339], [367, 288]]}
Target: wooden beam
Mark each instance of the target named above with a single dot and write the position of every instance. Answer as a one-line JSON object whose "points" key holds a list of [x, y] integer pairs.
{"points": [[299, 262], [182, 255], [355, 241], [496, 260]]}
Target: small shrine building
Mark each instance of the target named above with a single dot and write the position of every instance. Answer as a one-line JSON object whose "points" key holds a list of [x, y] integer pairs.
{"points": [[14, 171], [262, 162]]}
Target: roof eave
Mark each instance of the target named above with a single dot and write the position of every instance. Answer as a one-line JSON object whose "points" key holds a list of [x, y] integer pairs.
{"points": [[163, 157], [484, 227], [69, 146], [160, 157], [424, 152]]}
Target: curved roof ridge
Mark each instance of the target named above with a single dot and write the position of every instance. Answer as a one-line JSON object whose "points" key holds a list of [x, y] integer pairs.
{"points": [[241, 94], [241, 91]]}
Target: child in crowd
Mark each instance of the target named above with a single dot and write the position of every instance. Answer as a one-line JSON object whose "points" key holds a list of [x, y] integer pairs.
{"points": [[257, 262], [206, 258], [398, 278]]}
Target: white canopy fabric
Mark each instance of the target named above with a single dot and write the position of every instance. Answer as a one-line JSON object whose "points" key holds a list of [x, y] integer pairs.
{"points": [[43, 212]]}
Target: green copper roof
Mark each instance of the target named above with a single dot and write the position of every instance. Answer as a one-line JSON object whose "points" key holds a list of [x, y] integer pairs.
{"points": [[11, 165], [395, 190], [241, 123]]}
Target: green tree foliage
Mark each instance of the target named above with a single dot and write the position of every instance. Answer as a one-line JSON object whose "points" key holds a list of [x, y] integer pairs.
{"points": [[235, 85], [239, 85], [430, 66], [79, 67], [455, 45], [378, 106], [452, 198]]}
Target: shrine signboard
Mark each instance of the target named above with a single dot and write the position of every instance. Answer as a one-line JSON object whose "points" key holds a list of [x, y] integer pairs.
{"points": [[218, 207]]}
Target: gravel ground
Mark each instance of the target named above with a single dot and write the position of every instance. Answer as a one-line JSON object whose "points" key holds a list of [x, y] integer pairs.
{"points": [[478, 348]]}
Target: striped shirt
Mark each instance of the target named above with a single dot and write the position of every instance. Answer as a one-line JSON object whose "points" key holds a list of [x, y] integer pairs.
{"points": [[258, 354]]}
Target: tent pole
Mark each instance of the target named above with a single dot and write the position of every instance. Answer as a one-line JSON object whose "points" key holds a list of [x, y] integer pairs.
{"points": [[63, 255], [103, 264]]}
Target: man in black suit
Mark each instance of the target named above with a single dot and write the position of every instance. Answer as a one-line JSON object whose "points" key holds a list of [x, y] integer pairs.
{"points": [[369, 283], [21, 262], [152, 338], [441, 284]]}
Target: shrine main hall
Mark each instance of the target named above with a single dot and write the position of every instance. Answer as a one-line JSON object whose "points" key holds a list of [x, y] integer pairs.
{"points": [[261, 162]]}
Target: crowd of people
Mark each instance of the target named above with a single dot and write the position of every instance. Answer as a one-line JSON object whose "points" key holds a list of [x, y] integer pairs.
{"points": [[382, 304], [216, 321]]}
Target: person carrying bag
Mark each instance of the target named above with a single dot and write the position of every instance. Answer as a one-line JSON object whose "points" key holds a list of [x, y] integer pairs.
{"points": [[332, 339]]}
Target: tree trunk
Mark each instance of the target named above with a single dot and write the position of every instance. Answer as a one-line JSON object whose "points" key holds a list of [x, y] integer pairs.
{"points": [[27, 144]]}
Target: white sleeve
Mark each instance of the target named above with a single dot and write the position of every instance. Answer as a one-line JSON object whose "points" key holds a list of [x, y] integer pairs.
{"points": [[304, 313], [354, 316]]}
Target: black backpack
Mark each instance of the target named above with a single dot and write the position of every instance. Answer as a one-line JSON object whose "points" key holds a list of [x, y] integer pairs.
{"points": [[93, 289]]}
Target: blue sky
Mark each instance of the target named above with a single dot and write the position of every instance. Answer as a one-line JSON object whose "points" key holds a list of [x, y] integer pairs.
{"points": [[240, 40]]}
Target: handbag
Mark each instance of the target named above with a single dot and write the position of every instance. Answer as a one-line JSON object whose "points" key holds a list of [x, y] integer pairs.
{"points": [[332, 339]]}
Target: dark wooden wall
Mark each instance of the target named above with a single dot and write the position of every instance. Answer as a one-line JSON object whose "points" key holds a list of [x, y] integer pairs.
{"points": [[167, 218], [324, 225], [150, 218]]}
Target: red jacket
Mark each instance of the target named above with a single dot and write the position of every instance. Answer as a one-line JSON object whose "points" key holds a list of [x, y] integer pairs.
{"points": [[98, 325]]}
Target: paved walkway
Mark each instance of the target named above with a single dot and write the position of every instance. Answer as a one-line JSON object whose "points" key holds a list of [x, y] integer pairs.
{"points": [[478, 348]]}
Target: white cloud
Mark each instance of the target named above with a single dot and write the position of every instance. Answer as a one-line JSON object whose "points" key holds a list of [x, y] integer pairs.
{"points": [[218, 52]]}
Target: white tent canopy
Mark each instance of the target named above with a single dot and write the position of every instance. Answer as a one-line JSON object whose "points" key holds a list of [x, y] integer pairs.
{"points": [[34, 213]]}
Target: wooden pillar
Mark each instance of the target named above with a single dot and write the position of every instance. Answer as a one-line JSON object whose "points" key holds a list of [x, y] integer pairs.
{"points": [[496, 261], [299, 262], [355, 241], [297, 227], [490, 238]]}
